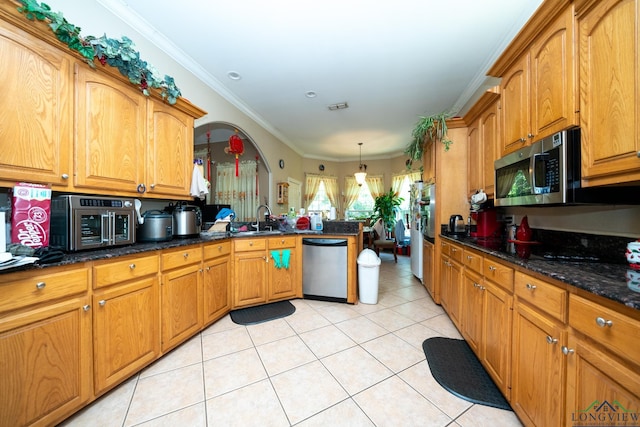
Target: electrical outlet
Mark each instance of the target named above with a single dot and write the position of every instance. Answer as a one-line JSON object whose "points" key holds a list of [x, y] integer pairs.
{"points": [[508, 219]]}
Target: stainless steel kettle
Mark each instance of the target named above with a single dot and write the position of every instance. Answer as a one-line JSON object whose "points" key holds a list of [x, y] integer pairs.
{"points": [[187, 219], [456, 225]]}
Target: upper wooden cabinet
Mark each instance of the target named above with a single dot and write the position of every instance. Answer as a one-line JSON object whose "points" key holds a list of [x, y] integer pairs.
{"points": [[482, 142], [36, 123], [608, 40], [82, 129], [538, 95]]}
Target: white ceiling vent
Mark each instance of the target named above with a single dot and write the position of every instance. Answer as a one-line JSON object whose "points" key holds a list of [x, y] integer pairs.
{"points": [[340, 106]]}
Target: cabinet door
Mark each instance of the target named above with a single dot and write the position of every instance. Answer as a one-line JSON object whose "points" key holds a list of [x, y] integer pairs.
{"points": [[514, 93], [475, 163], [472, 311], [36, 123], [599, 386], [553, 94], [169, 151], [496, 335], [126, 331], [217, 282], [110, 133], [45, 363], [609, 92], [489, 134], [537, 394], [445, 283], [427, 268], [284, 282], [250, 278], [181, 304]]}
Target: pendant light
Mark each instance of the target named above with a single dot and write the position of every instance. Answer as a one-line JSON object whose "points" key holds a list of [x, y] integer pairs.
{"points": [[362, 174]]}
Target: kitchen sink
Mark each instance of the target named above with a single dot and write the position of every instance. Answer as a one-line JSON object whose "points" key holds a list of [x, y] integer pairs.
{"points": [[258, 233]]}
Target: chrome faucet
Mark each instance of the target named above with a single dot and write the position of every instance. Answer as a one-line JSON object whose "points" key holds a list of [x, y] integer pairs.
{"points": [[267, 215]]}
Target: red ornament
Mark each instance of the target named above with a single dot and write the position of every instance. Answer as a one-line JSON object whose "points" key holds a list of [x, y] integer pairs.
{"points": [[524, 233], [235, 147]]}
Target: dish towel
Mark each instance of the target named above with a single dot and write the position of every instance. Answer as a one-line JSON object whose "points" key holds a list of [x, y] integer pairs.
{"points": [[281, 258], [275, 255], [199, 187]]}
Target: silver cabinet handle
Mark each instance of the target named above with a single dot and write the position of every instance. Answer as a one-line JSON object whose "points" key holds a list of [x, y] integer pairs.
{"points": [[482, 288], [220, 248], [208, 268], [454, 250], [638, 154], [551, 340], [41, 285], [65, 176], [469, 257], [201, 271], [567, 351], [132, 266], [265, 259], [86, 307], [602, 322], [101, 303], [186, 255], [152, 186], [530, 286], [530, 135], [523, 139], [492, 268], [141, 188]]}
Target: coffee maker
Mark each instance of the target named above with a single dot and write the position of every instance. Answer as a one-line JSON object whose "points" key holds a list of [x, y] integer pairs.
{"points": [[484, 221]]}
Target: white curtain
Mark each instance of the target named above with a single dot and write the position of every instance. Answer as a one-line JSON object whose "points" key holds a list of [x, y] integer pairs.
{"points": [[376, 185], [311, 186], [241, 192]]}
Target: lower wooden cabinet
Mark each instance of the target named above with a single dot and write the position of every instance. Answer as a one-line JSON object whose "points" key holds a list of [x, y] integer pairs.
{"points": [[45, 363], [217, 281], [495, 346], [451, 278], [125, 327], [181, 308], [538, 367], [428, 263], [284, 282]]}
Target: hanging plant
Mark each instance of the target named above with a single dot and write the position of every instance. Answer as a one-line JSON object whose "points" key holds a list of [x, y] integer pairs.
{"points": [[428, 128], [120, 54]]}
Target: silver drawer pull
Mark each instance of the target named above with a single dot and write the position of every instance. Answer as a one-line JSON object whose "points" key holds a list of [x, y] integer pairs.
{"points": [[41, 285], [530, 286], [186, 255], [567, 351], [101, 303], [132, 266], [469, 257], [602, 322], [492, 268], [551, 340], [86, 307]]}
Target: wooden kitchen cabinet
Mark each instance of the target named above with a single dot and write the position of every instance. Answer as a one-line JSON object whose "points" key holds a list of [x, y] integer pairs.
{"points": [[126, 318], [40, 152], [284, 282], [217, 280], [482, 140], [429, 162], [472, 309], [609, 90], [181, 295], [537, 91], [538, 364], [451, 276], [250, 278], [428, 273], [45, 345]]}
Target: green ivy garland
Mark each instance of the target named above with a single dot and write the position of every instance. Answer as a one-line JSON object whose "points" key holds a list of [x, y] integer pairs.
{"points": [[428, 128], [116, 53]]}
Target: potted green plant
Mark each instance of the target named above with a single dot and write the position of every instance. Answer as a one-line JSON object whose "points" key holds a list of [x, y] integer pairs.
{"points": [[428, 128], [385, 207]]}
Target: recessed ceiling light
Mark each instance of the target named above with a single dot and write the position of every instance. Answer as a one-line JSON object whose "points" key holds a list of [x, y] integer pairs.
{"points": [[234, 75], [310, 94]]}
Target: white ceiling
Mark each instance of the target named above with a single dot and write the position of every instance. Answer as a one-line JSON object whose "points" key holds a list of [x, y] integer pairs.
{"points": [[390, 61]]}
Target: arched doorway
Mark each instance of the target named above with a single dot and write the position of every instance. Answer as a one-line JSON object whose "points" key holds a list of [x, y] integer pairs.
{"points": [[210, 141]]}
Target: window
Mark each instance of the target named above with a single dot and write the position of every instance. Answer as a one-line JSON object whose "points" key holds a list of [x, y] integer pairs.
{"points": [[405, 193], [321, 202], [362, 208]]}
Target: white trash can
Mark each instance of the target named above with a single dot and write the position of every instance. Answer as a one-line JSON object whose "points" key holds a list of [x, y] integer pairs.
{"points": [[368, 274]]}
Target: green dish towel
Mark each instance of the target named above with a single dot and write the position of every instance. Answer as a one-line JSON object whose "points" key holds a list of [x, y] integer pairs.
{"points": [[275, 255], [286, 254]]}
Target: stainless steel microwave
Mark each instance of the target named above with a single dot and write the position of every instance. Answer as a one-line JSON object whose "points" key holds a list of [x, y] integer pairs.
{"points": [[92, 222], [548, 172]]}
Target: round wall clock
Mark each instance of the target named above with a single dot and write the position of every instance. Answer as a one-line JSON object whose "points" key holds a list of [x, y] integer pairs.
{"points": [[321, 168], [281, 163]]}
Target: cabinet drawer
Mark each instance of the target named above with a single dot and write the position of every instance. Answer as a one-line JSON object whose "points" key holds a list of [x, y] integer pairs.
{"points": [[243, 245], [614, 330], [498, 273], [456, 253], [181, 257], [473, 260], [213, 250], [282, 242], [109, 272], [26, 288], [444, 248], [542, 295]]}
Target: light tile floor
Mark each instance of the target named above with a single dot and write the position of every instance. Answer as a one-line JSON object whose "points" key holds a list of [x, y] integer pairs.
{"points": [[328, 364]]}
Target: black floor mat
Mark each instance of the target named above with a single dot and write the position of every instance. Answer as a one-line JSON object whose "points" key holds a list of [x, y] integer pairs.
{"points": [[457, 369], [262, 313]]}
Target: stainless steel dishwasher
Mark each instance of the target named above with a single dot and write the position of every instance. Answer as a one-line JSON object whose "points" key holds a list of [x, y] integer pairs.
{"points": [[324, 269]]}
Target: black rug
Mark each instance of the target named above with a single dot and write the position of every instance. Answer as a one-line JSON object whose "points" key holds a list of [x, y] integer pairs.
{"points": [[262, 313], [457, 369]]}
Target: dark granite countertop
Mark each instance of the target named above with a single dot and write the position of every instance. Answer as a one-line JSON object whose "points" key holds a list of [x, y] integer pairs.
{"points": [[608, 280], [337, 228]]}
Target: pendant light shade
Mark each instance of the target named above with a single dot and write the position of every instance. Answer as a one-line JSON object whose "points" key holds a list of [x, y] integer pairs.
{"points": [[361, 175]]}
